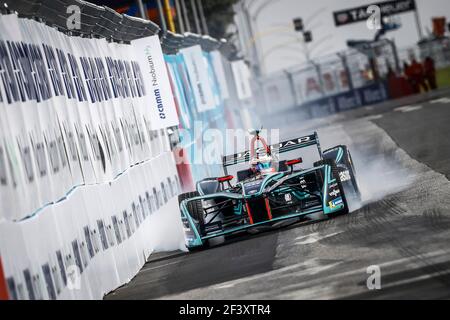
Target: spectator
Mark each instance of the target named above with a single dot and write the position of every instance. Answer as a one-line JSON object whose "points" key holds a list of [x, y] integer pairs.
{"points": [[430, 73], [405, 67], [418, 74], [409, 74], [390, 73]]}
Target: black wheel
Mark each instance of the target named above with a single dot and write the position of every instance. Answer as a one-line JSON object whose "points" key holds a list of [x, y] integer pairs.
{"points": [[195, 209], [200, 248], [335, 173]]}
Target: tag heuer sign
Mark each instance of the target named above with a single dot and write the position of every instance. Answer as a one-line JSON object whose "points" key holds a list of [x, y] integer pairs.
{"points": [[359, 14]]}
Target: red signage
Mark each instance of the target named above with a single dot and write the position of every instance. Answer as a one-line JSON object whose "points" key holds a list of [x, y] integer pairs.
{"points": [[439, 26]]}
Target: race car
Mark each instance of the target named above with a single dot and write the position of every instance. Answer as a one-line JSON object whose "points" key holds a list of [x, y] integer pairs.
{"points": [[269, 192]]}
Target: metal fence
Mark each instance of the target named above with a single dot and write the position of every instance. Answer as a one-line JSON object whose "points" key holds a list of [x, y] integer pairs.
{"points": [[438, 49], [95, 21], [343, 81]]}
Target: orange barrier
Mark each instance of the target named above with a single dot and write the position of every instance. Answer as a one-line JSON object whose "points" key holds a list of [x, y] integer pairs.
{"points": [[3, 290], [184, 170], [399, 87]]}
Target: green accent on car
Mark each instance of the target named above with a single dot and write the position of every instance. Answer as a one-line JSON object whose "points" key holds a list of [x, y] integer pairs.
{"points": [[240, 228], [340, 155]]}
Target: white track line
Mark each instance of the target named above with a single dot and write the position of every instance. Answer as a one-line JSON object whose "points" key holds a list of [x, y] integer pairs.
{"points": [[441, 100], [408, 109], [374, 117], [313, 238]]}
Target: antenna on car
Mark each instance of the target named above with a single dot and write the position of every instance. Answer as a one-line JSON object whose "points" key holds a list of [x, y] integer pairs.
{"points": [[255, 139], [255, 132]]}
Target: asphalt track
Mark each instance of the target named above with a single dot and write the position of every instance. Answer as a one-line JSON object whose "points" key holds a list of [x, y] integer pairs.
{"points": [[402, 156]]}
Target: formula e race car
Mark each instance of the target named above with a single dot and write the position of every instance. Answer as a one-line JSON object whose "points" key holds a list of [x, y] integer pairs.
{"points": [[270, 192]]}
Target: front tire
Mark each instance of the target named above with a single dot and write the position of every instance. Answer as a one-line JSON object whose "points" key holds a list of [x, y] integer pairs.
{"points": [[195, 209]]}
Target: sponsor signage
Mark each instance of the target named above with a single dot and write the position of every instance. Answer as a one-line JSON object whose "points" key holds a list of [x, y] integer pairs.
{"points": [[162, 105], [220, 74], [198, 73], [360, 14], [281, 147], [347, 100], [242, 77]]}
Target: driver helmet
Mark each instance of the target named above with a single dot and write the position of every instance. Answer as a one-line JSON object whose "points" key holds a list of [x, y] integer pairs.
{"points": [[263, 164]]}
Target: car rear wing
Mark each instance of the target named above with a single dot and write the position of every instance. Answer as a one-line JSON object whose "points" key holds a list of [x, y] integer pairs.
{"points": [[282, 147]]}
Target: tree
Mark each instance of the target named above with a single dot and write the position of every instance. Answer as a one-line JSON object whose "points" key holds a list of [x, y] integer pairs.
{"points": [[219, 15]]}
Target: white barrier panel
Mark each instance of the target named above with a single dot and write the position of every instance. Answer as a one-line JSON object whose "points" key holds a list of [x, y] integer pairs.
{"points": [[179, 91], [199, 78], [74, 111], [87, 179], [217, 62], [91, 243], [242, 77], [162, 105]]}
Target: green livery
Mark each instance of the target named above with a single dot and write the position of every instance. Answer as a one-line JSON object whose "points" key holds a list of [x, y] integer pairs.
{"points": [[268, 193]]}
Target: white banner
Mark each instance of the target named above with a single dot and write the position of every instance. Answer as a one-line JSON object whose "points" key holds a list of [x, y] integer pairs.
{"points": [[199, 78], [149, 53], [85, 163], [242, 77], [220, 73], [75, 111], [97, 238]]}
